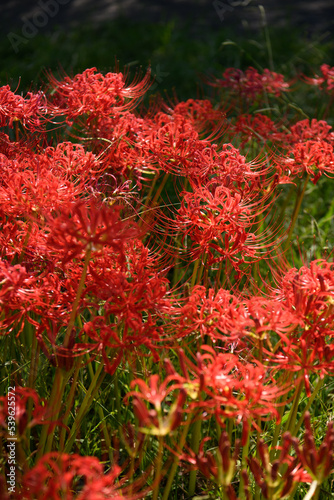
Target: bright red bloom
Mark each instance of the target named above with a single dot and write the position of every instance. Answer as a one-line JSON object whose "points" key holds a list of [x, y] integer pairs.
{"points": [[35, 195], [16, 108], [313, 157], [308, 347], [175, 145], [20, 293], [231, 321], [231, 168], [93, 94], [309, 292], [239, 389], [201, 113], [130, 295], [227, 387], [126, 153], [79, 229], [211, 314], [310, 130], [72, 477], [218, 221]]}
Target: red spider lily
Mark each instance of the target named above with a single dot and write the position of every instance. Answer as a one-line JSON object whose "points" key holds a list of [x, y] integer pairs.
{"points": [[79, 229], [128, 288], [319, 463], [311, 354], [259, 128], [277, 478], [41, 413], [308, 346], [72, 162], [31, 196], [126, 155], [117, 344], [209, 314], [14, 238], [174, 144], [66, 161], [310, 130], [36, 293], [223, 385], [35, 185], [201, 113], [251, 83], [16, 108], [58, 476], [309, 292], [233, 321], [326, 81], [126, 297], [217, 220], [10, 150], [314, 157], [93, 94], [236, 388], [230, 168], [155, 421], [218, 465], [112, 192], [19, 294]]}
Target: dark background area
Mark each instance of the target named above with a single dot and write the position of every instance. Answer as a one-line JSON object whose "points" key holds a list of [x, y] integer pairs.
{"points": [[312, 15]]}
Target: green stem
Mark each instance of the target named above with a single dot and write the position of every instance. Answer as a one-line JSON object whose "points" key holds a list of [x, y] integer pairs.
{"points": [[244, 465], [88, 399], [160, 188], [218, 277], [278, 427], [201, 269], [176, 460], [309, 403], [299, 199], [116, 392], [158, 468], [294, 408], [267, 37], [77, 299], [55, 401], [148, 197], [156, 196], [195, 440], [35, 350], [69, 403], [194, 275], [101, 414]]}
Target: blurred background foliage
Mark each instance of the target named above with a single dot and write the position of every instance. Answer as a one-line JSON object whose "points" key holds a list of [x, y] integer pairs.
{"points": [[182, 48]]}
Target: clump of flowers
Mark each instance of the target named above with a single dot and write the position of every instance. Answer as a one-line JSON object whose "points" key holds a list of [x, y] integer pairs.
{"points": [[161, 334]]}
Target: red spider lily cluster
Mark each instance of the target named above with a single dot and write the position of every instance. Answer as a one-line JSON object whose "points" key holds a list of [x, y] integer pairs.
{"points": [[153, 332]]}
